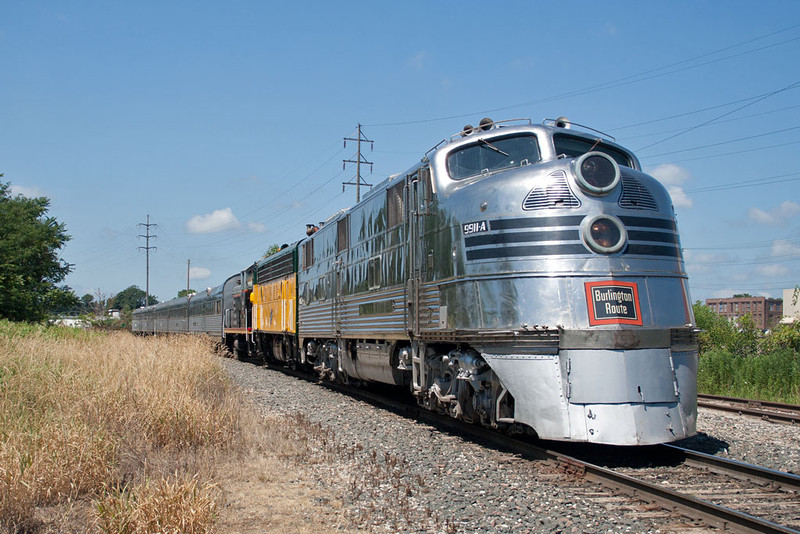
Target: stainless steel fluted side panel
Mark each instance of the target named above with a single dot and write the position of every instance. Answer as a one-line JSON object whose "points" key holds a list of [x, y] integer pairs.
{"points": [[375, 315], [316, 320], [429, 306]]}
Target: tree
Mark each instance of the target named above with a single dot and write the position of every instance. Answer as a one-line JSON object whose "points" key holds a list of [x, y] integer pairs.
{"points": [[30, 265], [131, 298], [185, 292], [272, 250], [86, 303], [100, 304]]}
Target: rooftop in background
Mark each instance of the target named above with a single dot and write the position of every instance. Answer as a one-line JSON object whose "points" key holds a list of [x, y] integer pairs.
{"points": [[766, 312]]}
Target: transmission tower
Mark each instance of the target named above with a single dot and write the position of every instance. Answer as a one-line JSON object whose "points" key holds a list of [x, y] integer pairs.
{"points": [[357, 180], [147, 248]]}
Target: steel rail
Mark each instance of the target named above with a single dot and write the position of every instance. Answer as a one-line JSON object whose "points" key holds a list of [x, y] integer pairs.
{"points": [[761, 475], [686, 505], [790, 413]]}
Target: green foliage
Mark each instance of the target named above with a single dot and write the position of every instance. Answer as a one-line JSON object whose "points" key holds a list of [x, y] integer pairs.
{"points": [[717, 331], [131, 298], [13, 331], [30, 266], [746, 337], [782, 337], [271, 250], [720, 334], [185, 292], [738, 360], [771, 376]]}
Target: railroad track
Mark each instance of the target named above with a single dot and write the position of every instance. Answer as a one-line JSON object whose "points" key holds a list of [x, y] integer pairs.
{"points": [[687, 490], [727, 494], [772, 411]]}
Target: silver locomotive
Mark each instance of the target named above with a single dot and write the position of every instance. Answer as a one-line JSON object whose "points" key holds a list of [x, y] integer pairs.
{"points": [[519, 275], [527, 277]]}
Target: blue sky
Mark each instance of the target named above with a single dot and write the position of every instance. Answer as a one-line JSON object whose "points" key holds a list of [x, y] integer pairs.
{"points": [[224, 120]]}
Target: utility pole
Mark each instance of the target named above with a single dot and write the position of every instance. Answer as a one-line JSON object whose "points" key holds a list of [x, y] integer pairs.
{"points": [[148, 236], [357, 180]]}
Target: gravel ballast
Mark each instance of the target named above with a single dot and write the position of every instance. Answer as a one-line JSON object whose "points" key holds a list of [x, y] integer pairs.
{"points": [[399, 475]]}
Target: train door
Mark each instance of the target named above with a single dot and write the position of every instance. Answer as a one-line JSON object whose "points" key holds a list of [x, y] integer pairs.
{"points": [[417, 209], [339, 266], [418, 188], [249, 276]]}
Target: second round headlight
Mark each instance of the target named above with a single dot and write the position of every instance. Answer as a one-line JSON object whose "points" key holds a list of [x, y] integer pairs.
{"points": [[604, 234]]}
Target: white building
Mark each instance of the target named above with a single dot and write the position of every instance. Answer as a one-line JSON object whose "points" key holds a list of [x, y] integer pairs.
{"points": [[791, 305]]}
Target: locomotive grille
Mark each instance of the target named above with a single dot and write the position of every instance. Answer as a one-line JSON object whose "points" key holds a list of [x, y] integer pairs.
{"points": [[275, 268], [635, 195], [555, 193]]}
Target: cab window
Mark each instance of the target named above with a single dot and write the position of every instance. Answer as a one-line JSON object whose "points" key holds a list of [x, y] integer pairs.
{"points": [[493, 154], [572, 147]]}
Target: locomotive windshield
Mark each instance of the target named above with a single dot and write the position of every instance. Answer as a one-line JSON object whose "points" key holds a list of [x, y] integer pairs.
{"points": [[573, 147], [494, 154]]}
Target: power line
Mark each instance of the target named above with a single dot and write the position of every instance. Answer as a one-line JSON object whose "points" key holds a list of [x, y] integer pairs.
{"points": [[783, 258], [748, 183], [785, 284], [729, 141], [697, 111], [626, 80], [735, 153], [740, 246], [687, 130], [297, 183]]}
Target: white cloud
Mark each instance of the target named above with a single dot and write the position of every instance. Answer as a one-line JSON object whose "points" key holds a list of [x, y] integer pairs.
{"points": [[673, 177], [199, 273], [697, 263], [218, 221], [741, 277], [784, 248], [30, 192], [772, 270], [256, 227], [418, 61], [776, 216]]}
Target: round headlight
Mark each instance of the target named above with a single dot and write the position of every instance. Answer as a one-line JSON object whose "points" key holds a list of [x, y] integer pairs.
{"points": [[597, 173], [604, 234]]}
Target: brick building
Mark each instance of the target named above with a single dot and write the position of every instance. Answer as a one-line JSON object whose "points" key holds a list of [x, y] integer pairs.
{"points": [[766, 312]]}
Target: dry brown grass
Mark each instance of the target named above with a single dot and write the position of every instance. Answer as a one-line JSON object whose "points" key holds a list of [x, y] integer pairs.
{"points": [[115, 433]]}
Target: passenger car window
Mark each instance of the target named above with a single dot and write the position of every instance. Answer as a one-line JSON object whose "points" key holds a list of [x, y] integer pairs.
{"points": [[572, 147], [493, 154]]}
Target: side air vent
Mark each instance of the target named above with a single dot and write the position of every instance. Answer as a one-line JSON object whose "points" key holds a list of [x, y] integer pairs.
{"points": [[635, 195], [554, 192]]}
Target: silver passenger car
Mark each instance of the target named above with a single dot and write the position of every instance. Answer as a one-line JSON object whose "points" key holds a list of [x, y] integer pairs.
{"points": [[200, 313], [519, 275]]}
